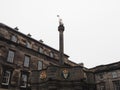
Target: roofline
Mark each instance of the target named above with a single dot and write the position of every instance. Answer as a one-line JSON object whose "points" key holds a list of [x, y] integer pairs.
{"points": [[105, 65], [106, 68], [4, 25]]}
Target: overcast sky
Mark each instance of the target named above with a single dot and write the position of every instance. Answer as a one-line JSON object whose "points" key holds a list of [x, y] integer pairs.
{"points": [[92, 27]]}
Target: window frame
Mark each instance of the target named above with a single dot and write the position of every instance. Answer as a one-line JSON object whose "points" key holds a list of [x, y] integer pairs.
{"points": [[40, 50], [101, 75], [114, 74], [14, 38], [116, 85], [26, 81], [28, 44], [51, 54], [102, 87], [24, 63], [39, 64], [5, 77], [11, 56]]}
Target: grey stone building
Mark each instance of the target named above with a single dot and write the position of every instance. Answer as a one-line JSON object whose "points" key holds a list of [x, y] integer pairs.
{"points": [[28, 64], [20, 54], [107, 77]]}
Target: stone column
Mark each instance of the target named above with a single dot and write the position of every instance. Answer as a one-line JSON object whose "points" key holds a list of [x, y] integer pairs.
{"points": [[61, 44]]}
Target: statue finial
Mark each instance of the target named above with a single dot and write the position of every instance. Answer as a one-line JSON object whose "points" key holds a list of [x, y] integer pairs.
{"points": [[60, 20]]}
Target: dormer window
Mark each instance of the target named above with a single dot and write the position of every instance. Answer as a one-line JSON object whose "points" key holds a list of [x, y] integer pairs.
{"points": [[13, 38], [28, 45]]}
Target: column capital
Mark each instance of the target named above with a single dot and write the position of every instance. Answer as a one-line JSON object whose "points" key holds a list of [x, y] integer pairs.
{"points": [[61, 27]]}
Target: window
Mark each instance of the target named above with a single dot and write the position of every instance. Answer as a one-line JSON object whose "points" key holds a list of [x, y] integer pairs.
{"points": [[51, 54], [26, 61], [24, 78], [28, 45], [14, 38], [85, 76], [116, 85], [114, 74], [101, 75], [102, 86], [45, 52], [10, 56], [40, 49], [39, 65], [6, 77]]}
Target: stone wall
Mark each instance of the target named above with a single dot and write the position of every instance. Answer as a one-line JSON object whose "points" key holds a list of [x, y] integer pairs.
{"points": [[61, 78]]}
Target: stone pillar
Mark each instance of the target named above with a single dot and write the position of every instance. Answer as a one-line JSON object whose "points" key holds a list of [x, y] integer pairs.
{"points": [[61, 44]]}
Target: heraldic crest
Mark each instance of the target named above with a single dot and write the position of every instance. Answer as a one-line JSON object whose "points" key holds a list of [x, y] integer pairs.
{"points": [[65, 73]]}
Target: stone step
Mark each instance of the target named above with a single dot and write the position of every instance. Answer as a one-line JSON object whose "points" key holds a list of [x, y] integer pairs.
{"points": [[3, 89]]}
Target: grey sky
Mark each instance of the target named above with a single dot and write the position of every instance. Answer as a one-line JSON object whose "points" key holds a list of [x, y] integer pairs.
{"points": [[92, 27]]}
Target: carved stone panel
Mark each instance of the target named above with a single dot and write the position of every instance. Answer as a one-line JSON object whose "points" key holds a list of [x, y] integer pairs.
{"points": [[15, 77]]}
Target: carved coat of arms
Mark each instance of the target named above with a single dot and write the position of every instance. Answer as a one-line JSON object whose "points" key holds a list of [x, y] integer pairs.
{"points": [[65, 73], [43, 75]]}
